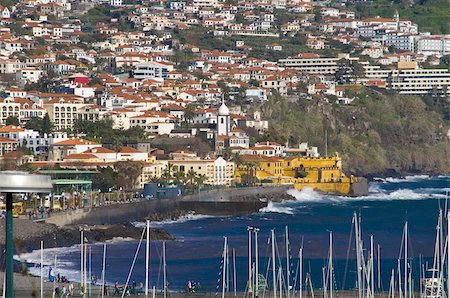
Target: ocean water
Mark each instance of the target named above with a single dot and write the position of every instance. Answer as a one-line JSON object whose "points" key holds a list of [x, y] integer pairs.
{"points": [[196, 253]]}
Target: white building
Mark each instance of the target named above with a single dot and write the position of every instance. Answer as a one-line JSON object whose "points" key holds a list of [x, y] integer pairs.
{"points": [[28, 75], [152, 70], [115, 3], [223, 120], [434, 45]]}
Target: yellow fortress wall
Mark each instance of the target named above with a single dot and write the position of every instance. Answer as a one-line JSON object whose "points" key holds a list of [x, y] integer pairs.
{"points": [[324, 174]]}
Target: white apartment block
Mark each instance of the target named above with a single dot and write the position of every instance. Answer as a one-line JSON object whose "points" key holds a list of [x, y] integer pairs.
{"points": [[206, 3], [28, 75], [155, 122], [410, 80], [21, 108], [63, 112], [152, 70], [115, 3], [313, 64], [11, 65], [217, 172], [401, 41], [40, 144], [434, 45], [420, 81]]}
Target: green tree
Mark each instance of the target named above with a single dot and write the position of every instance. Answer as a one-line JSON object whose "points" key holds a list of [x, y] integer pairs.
{"points": [[47, 125], [128, 173], [189, 112], [105, 179], [12, 120], [445, 60]]}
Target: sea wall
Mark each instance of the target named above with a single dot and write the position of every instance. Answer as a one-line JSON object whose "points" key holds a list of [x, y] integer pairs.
{"points": [[217, 203], [273, 193]]}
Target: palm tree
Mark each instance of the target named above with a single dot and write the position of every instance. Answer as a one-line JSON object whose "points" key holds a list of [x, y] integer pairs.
{"points": [[166, 175], [200, 180], [179, 177], [190, 178], [237, 158]]}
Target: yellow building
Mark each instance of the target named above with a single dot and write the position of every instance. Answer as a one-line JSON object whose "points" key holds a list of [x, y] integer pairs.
{"points": [[321, 173]]}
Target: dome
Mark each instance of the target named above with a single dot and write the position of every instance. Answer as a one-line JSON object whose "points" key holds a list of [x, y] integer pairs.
{"points": [[223, 110]]}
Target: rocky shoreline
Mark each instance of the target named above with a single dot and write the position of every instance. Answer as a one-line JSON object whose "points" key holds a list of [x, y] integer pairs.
{"points": [[28, 234]]}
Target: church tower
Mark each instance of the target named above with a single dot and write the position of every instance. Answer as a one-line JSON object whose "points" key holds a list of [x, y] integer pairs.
{"points": [[397, 19], [223, 120]]}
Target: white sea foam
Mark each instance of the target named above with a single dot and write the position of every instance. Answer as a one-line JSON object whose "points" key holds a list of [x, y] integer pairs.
{"points": [[185, 218], [34, 258], [376, 194], [276, 208], [404, 179]]}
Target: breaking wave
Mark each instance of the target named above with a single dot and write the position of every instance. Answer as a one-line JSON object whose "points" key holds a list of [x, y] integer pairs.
{"points": [[276, 208], [376, 194], [185, 218], [414, 178], [33, 259]]}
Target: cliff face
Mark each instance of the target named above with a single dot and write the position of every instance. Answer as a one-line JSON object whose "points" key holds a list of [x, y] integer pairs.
{"points": [[378, 134]]}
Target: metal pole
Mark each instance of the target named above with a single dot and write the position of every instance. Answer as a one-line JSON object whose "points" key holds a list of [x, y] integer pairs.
{"points": [[224, 266], [234, 272], [249, 259], [9, 246], [42, 269], [287, 261], [301, 271], [256, 263], [103, 270], [147, 255], [54, 279], [82, 260], [379, 267], [273, 265], [448, 253], [331, 266], [405, 285], [90, 270], [164, 267], [372, 277]]}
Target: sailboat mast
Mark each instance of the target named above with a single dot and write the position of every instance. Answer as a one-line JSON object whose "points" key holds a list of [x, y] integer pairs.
{"points": [[448, 253], [330, 267], [234, 272], [358, 254], [54, 279], [164, 269], [274, 277], [224, 266], [103, 270], [42, 269], [82, 259], [287, 261], [301, 271], [379, 266], [147, 258], [392, 285], [256, 262], [249, 229], [372, 277], [406, 262]]}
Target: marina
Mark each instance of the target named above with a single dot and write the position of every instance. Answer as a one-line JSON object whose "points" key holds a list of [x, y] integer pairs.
{"points": [[313, 221]]}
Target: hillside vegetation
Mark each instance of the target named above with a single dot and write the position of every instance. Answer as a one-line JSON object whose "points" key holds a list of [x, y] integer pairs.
{"points": [[377, 134], [430, 15]]}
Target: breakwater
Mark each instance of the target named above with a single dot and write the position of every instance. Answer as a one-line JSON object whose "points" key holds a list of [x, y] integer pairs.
{"points": [[223, 202]]}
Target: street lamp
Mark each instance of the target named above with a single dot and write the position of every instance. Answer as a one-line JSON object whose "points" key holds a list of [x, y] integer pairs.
{"points": [[17, 182]]}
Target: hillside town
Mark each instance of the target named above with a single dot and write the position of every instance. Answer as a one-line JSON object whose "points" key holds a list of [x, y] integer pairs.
{"points": [[183, 82]]}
